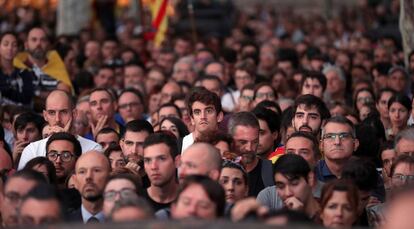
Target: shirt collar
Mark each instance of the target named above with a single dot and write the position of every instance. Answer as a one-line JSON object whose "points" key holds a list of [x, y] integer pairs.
{"points": [[324, 171], [86, 215]]}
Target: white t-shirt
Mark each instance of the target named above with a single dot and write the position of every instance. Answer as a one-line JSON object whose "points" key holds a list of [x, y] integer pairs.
{"points": [[229, 100], [38, 149], [188, 140]]}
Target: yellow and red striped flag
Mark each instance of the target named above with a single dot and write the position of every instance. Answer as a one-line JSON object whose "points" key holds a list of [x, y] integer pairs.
{"points": [[159, 21]]}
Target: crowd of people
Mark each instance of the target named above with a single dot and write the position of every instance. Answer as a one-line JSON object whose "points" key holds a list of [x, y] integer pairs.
{"points": [[287, 119]]}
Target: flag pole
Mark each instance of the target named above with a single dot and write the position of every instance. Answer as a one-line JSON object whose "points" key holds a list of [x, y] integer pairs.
{"points": [[190, 7]]}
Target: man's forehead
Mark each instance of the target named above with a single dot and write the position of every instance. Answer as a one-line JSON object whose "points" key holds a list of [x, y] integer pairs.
{"points": [[15, 184], [312, 81], [97, 95], [299, 142], [200, 105], [283, 178], [36, 33], [133, 135], [307, 108], [128, 96]]}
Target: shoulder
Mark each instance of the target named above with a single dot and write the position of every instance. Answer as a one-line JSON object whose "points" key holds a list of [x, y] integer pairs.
{"points": [[74, 216], [87, 144]]}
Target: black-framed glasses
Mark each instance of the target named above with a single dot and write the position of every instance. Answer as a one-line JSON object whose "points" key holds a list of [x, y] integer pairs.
{"points": [[342, 136], [126, 105], [123, 193], [65, 156], [403, 178]]}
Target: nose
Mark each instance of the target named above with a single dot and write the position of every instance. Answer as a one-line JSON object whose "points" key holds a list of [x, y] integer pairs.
{"points": [[339, 212], [305, 119], [288, 192], [230, 186], [337, 140], [154, 165], [249, 147], [89, 174], [192, 209], [58, 118], [203, 114], [58, 159]]}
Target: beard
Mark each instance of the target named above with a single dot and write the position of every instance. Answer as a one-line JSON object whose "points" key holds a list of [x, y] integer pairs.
{"points": [[37, 53], [93, 197], [248, 157]]}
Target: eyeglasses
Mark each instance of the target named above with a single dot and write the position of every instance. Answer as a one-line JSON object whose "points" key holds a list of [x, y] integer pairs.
{"points": [[409, 153], [342, 136], [403, 178], [126, 105], [365, 100], [65, 156], [123, 193], [269, 95], [250, 98]]}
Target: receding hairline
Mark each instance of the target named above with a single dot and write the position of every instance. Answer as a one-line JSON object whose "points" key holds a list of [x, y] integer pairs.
{"points": [[92, 153], [59, 93], [212, 154]]}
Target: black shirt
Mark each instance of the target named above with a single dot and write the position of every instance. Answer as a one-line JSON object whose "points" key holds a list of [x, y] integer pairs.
{"points": [[155, 205], [16, 88], [255, 180]]}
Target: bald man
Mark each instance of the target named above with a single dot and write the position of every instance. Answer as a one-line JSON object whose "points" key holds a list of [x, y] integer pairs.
{"points": [[59, 112], [200, 159], [91, 173]]}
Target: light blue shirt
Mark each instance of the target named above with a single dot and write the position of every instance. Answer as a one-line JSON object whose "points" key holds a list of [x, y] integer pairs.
{"points": [[86, 215]]}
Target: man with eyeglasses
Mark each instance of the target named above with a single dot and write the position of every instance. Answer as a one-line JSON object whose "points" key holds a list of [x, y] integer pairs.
{"points": [[402, 172], [338, 144], [63, 150], [118, 187], [130, 105], [245, 101], [402, 176], [404, 142], [59, 112], [16, 187]]}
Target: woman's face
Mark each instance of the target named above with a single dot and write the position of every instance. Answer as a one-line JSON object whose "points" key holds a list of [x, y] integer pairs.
{"points": [[154, 102], [363, 98], [234, 185], [398, 115], [277, 81], [168, 125], [338, 212], [117, 159], [42, 169], [363, 112], [8, 47]]}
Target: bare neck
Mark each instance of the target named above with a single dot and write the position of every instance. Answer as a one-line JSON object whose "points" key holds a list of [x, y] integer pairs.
{"points": [[7, 66], [164, 194]]}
